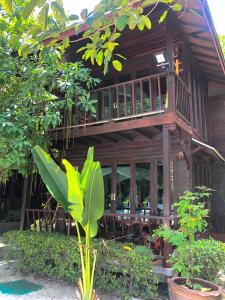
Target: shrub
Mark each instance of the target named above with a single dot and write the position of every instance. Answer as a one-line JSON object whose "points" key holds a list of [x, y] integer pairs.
{"points": [[208, 257], [124, 270]]}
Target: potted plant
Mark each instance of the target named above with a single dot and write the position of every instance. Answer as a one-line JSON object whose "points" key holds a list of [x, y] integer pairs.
{"points": [[82, 195], [87, 109], [192, 216]]}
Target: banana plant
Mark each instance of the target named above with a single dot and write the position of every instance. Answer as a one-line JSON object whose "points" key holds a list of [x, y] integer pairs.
{"points": [[82, 195]]}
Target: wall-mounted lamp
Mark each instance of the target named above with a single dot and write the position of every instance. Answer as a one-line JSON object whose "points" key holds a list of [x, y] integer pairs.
{"points": [[161, 59]]}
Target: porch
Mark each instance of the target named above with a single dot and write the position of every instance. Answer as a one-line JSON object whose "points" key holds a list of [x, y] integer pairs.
{"points": [[162, 98]]}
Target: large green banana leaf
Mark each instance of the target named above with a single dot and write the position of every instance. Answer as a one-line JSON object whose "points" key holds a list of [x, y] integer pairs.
{"points": [[53, 177], [80, 194], [75, 193]]}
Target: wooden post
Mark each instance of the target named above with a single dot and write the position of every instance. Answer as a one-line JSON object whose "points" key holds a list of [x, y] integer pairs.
{"points": [[113, 188], [166, 172], [170, 77], [24, 198], [154, 191], [133, 189]]}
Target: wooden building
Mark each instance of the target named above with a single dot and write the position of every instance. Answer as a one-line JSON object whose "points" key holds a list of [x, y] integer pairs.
{"points": [[158, 129]]}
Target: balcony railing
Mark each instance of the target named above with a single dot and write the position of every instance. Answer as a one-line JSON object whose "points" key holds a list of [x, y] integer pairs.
{"points": [[137, 97], [182, 99], [110, 224], [134, 99]]}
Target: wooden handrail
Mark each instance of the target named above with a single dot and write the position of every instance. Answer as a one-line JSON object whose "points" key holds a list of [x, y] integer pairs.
{"points": [[130, 81]]}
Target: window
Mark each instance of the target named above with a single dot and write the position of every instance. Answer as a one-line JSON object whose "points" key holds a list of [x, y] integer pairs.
{"points": [[123, 188], [142, 199]]}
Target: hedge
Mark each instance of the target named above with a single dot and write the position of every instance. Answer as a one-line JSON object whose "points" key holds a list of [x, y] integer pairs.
{"points": [[123, 270]]}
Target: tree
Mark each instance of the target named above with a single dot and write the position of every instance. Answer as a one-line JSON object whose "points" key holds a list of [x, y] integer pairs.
{"points": [[28, 106]]}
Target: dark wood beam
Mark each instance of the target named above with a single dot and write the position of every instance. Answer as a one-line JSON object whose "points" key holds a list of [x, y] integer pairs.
{"points": [[166, 172], [202, 55], [81, 142], [144, 133], [190, 24], [200, 38], [94, 140], [116, 127], [196, 33], [199, 148], [124, 135], [109, 138], [202, 47]]}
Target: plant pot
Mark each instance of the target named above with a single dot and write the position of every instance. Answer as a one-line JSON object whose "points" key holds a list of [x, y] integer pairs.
{"points": [[178, 291]]}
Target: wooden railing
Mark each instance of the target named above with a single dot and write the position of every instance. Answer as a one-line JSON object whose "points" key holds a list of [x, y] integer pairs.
{"points": [[182, 99], [131, 226], [131, 98]]}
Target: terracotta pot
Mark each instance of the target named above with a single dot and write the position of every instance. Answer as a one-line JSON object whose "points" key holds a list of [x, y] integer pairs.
{"points": [[178, 291]]}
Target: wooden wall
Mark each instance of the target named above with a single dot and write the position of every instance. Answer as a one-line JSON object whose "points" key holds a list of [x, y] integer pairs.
{"points": [[217, 139], [139, 150]]}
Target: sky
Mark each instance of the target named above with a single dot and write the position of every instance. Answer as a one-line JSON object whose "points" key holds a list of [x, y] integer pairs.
{"points": [[217, 8]]}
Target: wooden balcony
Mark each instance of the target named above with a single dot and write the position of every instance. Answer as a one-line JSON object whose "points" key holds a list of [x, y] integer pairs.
{"points": [[148, 101], [139, 98]]}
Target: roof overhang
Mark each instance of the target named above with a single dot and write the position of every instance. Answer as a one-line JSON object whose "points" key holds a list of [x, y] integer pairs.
{"points": [[208, 149], [198, 26]]}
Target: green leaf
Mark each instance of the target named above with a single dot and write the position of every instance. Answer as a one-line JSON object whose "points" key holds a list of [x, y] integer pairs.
{"points": [[163, 16], [147, 22], [7, 5], [99, 58], [117, 65], [93, 197], [73, 17], [29, 8], [23, 48], [121, 22], [53, 177], [141, 26], [75, 194], [43, 16], [147, 2], [177, 7], [57, 9]]}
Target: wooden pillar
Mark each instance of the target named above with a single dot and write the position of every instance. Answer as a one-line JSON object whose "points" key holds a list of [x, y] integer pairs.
{"points": [[133, 188], [154, 191], [170, 77], [24, 198], [166, 172], [113, 191]]}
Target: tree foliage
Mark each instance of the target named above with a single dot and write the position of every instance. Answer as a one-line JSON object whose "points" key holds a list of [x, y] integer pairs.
{"points": [[28, 84]]}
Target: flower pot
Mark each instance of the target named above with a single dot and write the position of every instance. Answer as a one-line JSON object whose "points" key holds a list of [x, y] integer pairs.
{"points": [[178, 290]]}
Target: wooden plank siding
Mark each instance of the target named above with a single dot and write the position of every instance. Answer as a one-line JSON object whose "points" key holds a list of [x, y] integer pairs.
{"points": [[217, 139]]}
